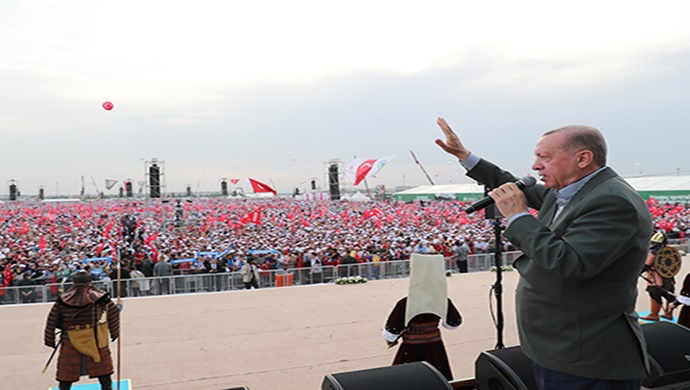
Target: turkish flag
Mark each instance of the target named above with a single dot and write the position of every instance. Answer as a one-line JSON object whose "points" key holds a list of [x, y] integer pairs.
{"points": [[252, 217], [358, 169], [42, 244], [258, 186], [375, 212], [151, 237], [362, 170]]}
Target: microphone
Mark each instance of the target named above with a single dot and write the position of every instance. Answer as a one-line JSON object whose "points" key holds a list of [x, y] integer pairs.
{"points": [[525, 182]]}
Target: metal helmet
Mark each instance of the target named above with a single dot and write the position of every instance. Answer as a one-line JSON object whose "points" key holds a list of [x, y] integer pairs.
{"points": [[659, 237], [82, 277]]}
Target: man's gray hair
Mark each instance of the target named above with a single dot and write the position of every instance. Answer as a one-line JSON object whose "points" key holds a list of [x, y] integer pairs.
{"points": [[584, 137]]}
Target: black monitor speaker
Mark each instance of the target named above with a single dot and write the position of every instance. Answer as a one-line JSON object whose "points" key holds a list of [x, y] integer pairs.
{"points": [[504, 369], [411, 376], [668, 349]]}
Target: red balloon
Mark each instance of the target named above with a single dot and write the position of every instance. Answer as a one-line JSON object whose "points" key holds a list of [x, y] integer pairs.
{"points": [[108, 106]]}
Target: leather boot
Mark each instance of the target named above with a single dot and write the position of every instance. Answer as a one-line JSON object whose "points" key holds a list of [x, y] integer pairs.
{"points": [[65, 385], [668, 312], [653, 312], [106, 382]]}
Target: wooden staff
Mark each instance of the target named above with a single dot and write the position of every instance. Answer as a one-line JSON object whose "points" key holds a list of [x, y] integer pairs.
{"points": [[52, 355]]}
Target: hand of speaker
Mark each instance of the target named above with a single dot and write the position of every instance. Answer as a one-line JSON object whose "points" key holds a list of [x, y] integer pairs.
{"points": [[452, 144], [510, 199]]}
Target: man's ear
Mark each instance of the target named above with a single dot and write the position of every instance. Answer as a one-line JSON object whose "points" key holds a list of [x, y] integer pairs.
{"points": [[584, 158]]}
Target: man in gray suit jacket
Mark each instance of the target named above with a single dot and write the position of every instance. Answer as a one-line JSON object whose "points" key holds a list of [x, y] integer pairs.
{"points": [[581, 258]]}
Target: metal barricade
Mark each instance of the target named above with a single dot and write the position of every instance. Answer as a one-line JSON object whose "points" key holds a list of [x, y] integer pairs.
{"points": [[680, 244], [227, 281]]}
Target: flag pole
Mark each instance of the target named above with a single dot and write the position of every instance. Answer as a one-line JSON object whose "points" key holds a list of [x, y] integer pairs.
{"points": [[119, 301], [366, 185], [274, 185]]}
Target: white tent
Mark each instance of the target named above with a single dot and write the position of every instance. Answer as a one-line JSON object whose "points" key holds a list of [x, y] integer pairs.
{"points": [[665, 189], [462, 192], [357, 197]]}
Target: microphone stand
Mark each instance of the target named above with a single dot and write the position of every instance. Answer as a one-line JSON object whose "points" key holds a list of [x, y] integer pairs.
{"points": [[492, 213], [498, 287]]}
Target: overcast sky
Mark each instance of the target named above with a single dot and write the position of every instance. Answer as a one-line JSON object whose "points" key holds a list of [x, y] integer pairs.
{"points": [[275, 89]]}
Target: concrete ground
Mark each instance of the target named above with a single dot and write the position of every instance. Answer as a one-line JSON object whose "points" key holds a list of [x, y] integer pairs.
{"points": [[281, 338]]}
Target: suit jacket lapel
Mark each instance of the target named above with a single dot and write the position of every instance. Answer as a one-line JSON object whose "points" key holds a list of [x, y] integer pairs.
{"points": [[605, 174], [548, 209]]}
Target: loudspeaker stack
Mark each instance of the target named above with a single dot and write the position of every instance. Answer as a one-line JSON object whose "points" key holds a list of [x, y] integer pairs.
{"points": [[333, 182], [154, 181], [13, 191], [128, 188]]}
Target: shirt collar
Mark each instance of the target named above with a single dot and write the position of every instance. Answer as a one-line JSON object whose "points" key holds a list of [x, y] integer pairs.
{"points": [[565, 194]]}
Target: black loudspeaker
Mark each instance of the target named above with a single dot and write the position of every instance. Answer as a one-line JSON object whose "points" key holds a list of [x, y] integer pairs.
{"points": [[155, 181], [668, 349], [333, 184], [313, 185], [122, 192], [13, 192], [128, 189], [411, 376], [41, 194], [224, 188], [504, 369]]}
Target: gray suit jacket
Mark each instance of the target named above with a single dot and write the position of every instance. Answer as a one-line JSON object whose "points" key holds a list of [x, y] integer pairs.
{"points": [[578, 288]]}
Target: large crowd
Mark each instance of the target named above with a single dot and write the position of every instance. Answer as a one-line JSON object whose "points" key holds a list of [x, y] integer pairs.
{"points": [[48, 242]]}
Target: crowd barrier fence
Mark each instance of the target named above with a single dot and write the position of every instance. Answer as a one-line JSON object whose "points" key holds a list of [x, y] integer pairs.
{"points": [[191, 283]]}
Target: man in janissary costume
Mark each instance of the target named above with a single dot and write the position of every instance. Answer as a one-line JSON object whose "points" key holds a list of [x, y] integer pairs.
{"points": [[87, 318]]}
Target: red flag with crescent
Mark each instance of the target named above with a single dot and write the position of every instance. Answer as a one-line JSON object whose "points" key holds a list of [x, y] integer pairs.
{"points": [[358, 169], [253, 216], [258, 186]]}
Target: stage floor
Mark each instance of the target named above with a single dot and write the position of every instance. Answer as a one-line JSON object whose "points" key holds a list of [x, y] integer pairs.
{"points": [[281, 338]]}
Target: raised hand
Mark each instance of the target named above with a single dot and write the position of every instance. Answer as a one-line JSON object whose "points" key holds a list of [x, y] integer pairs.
{"points": [[452, 144]]}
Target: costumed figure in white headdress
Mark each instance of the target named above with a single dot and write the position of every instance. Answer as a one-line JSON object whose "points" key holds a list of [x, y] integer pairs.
{"points": [[416, 317]]}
